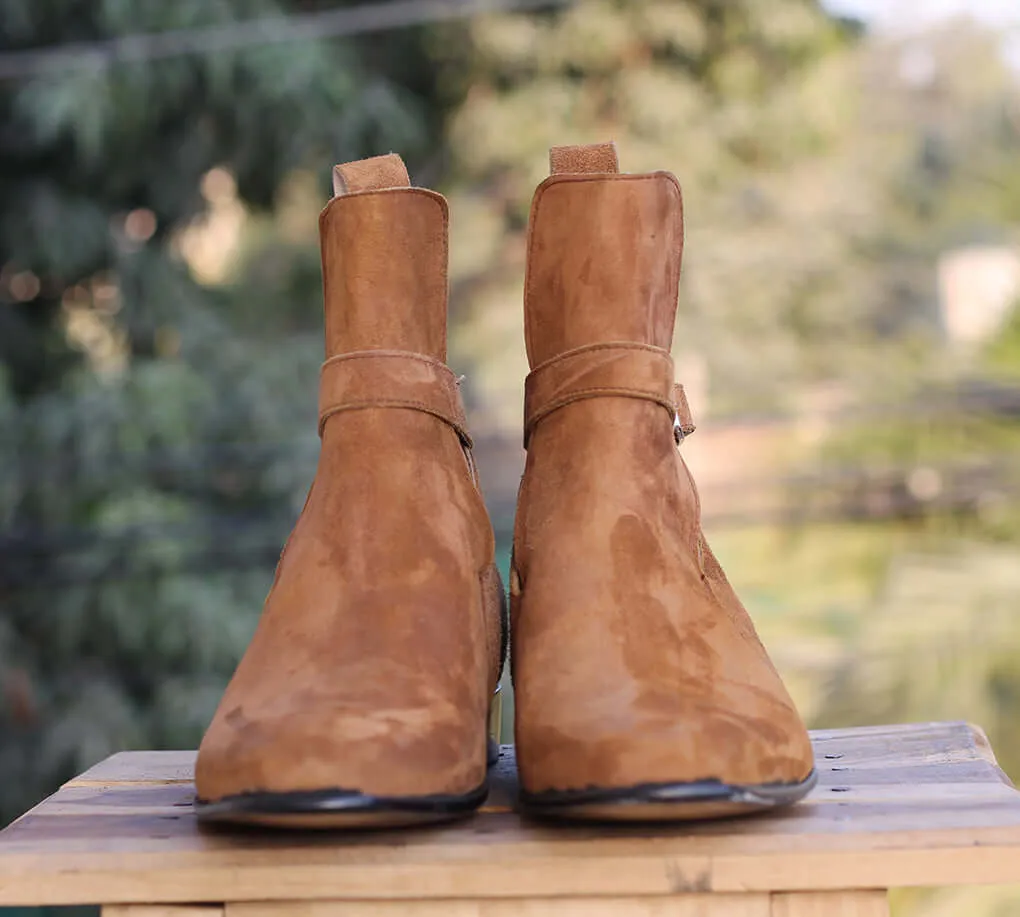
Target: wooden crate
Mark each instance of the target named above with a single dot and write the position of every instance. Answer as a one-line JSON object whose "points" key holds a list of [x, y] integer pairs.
{"points": [[895, 806]]}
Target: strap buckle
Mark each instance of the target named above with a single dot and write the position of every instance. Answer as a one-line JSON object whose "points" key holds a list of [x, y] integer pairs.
{"points": [[683, 424], [678, 429]]}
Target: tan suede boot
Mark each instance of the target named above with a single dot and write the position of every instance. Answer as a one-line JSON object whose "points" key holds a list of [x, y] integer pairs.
{"points": [[642, 689], [363, 697]]}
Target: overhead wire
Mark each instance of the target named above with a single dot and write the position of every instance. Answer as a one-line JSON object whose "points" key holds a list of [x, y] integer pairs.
{"points": [[334, 23]]}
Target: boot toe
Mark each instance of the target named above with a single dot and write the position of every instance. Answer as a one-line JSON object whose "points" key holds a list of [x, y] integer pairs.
{"points": [[702, 746], [381, 753]]}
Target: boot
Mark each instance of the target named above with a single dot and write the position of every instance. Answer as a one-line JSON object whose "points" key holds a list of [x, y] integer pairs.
{"points": [[642, 690], [363, 697]]}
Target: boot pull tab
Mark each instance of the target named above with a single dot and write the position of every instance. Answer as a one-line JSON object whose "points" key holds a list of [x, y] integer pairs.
{"points": [[372, 174], [596, 157]]}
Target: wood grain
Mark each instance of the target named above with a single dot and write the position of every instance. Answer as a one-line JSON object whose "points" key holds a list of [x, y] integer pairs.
{"points": [[831, 904], [756, 905], [162, 910], [895, 806]]}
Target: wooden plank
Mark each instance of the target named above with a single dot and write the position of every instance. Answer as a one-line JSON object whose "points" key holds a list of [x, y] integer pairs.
{"points": [[757, 905], [831, 904], [896, 806], [140, 767], [913, 745], [244, 876], [162, 910]]}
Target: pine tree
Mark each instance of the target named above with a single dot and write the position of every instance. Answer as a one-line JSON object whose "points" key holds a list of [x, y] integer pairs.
{"points": [[157, 430]]}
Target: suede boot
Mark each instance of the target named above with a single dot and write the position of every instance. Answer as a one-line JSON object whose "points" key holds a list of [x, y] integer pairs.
{"points": [[363, 697], [642, 689]]}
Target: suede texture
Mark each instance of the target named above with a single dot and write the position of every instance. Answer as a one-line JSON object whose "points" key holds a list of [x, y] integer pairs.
{"points": [[379, 647], [634, 661], [590, 259], [391, 379], [384, 267], [597, 371], [386, 171], [596, 157]]}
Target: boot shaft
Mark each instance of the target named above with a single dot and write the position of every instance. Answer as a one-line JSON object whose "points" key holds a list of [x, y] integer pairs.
{"points": [[604, 253], [384, 262]]}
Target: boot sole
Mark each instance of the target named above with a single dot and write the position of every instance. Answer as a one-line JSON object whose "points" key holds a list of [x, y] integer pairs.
{"points": [[653, 802], [338, 809], [341, 809]]}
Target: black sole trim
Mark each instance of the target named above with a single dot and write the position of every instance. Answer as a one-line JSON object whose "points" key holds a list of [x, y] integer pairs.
{"points": [[338, 808], [665, 801]]}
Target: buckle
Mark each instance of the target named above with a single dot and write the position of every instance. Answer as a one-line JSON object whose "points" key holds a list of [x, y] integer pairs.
{"points": [[678, 429]]}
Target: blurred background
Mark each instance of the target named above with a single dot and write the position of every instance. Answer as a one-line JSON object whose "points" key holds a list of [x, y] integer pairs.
{"points": [[848, 333]]}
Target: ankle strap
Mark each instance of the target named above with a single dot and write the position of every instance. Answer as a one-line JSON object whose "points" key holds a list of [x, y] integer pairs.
{"points": [[391, 379], [616, 369]]}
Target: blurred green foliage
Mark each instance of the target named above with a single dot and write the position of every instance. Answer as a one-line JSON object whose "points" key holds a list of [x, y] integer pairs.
{"points": [[1003, 354], [157, 433]]}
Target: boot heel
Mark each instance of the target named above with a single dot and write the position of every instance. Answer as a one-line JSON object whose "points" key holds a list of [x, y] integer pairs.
{"points": [[495, 725]]}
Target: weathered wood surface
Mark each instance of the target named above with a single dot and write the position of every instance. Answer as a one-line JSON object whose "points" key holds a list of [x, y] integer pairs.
{"points": [[895, 806], [722, 904]]}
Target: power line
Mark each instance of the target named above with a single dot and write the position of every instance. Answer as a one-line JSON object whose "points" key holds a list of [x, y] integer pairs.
{"points": [[348, 21]]}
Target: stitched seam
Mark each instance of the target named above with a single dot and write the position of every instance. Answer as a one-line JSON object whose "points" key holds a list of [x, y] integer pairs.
{"points": [[530, 394], [385, 355], [584, 394], [431, 195], [606, 345], [457, 425], [390, 403], [454, 408], [602, 390]]}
